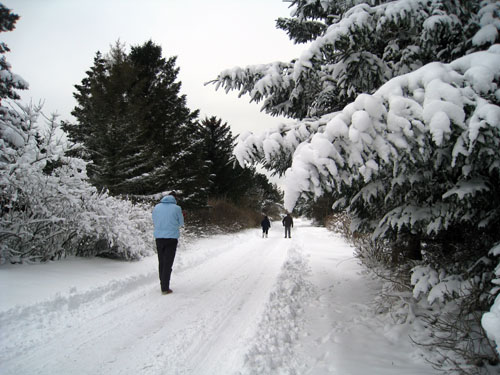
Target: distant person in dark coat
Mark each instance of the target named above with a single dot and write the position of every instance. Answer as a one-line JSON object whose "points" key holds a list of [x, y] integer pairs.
{"points": [[167, 219], [288, 223], [265, 224]]}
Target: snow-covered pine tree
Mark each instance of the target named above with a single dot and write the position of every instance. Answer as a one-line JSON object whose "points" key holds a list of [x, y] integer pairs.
{"points": [[168, 128], [405, 136], [418, 156], [424, 27]]}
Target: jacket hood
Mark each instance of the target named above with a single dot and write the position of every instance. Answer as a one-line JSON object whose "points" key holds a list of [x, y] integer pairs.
{"points": [[168, 199]]}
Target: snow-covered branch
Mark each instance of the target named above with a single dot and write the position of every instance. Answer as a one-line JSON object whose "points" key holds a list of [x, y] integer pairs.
{"points": [[436, 120], [49, 209], [363, 48]]}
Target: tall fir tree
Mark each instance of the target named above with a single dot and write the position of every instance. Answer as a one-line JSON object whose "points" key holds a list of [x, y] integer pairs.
{"points": [[218, 144], [228, 180], [8, 80], [133, 124], [12, 128]]}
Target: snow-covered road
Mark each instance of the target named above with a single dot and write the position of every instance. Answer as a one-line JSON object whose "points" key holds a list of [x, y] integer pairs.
{"points": [[241, 305]]}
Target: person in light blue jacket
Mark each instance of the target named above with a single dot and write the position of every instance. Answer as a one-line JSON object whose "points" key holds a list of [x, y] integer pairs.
{"points": [[167, 219]]}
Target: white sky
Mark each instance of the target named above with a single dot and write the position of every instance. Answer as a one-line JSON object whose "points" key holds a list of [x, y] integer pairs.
{"points": [[55, 42]]}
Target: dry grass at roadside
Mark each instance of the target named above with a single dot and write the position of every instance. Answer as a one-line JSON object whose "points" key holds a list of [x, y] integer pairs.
{"points": [[224, 216]]}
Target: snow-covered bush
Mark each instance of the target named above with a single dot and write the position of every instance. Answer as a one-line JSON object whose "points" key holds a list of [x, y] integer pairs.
{"points": [[113, 227], [48, 207]]}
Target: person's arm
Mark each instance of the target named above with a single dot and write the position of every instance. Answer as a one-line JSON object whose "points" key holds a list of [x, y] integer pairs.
{"points": [[180, 217]]}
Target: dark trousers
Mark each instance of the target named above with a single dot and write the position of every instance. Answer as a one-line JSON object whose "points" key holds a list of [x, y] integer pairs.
{"points": [[288, 231], [166, 254]]}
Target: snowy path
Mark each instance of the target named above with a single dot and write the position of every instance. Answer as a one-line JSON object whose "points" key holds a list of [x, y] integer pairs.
{"points": [[241, 305]]}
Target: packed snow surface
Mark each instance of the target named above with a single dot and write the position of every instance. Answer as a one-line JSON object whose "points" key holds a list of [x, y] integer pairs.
{"points": [[242, 304]]}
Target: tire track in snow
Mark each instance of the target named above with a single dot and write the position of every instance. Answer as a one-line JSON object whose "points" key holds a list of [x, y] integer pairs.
{"points": [[282, 323], [227, 310]]}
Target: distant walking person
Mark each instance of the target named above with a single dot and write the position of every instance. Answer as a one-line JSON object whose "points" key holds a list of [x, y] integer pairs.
{"points": [[266, 224], [167, 219], [288, 223]]}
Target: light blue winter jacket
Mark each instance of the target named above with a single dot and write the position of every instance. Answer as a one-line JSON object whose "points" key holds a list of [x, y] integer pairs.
{"points": [[167, 218]]}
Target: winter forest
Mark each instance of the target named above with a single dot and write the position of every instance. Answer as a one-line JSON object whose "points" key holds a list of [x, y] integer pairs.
{"points": [[392, 140]]}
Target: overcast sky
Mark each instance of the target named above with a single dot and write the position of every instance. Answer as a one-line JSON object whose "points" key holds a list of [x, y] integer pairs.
{"points": [[55, 42]]}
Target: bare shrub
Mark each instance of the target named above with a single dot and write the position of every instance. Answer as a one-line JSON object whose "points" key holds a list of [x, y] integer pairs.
{"points": [[458, 337], [339, 223], [224, 216]]}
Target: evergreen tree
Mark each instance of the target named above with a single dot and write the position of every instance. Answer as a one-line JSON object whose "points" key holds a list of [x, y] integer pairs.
{"points": [[12, 128], [8, 81], [398, 124], [420, 31], [227, 178], [168, 125], [218, 144], [132, 123]]}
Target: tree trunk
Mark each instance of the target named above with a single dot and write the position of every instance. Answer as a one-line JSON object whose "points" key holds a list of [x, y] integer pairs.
{"points": [[414, 247], [396, 251]]}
